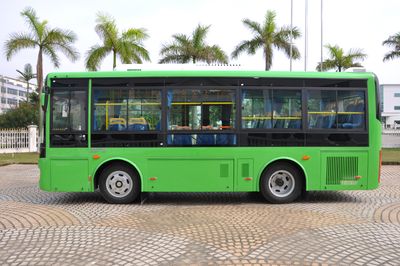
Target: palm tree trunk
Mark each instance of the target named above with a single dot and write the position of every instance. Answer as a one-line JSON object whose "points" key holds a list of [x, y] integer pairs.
{"points": [[27, 91], [39, 71], [39, 78], [114, 59], [267, 55]]}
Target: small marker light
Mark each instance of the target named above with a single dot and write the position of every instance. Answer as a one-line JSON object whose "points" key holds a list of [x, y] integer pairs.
{"points": [[96, 156], [306, 157]]}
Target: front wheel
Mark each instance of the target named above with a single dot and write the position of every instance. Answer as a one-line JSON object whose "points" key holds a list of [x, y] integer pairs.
{"points": [[281, 183], [119, 184]]}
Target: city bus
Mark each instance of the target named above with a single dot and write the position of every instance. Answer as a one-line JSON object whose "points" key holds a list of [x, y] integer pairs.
{"points": [[151, 130]]}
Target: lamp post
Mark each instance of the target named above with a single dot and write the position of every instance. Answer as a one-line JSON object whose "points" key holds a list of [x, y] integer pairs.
{"points": [[291, 33], [305, 35], [322, 34]]}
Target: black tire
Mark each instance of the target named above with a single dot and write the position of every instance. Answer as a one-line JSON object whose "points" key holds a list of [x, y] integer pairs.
{"points": [[119, 184], [281, 183]]}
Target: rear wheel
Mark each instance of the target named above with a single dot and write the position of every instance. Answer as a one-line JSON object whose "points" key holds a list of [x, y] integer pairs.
{"points": [[281, 183], [119, 184]]}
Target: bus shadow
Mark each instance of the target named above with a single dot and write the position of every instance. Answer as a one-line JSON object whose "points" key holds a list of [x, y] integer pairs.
{"points": [[328, 197], [227, 198], [206, 198]]}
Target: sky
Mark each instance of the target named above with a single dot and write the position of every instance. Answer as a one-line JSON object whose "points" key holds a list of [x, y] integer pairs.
{"points": [[363, 24]]}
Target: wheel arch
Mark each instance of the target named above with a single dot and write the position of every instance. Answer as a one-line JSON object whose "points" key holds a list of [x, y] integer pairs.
{"points": [[289, 160], [111, 161]]}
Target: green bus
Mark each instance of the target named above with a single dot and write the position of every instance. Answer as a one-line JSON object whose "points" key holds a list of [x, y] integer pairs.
{"points": [[277, 133]]}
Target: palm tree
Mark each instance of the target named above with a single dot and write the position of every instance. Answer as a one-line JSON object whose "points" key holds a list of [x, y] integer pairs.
{"points": [[48, 40], [185, 49], [339, 60], [26, 76], [267, 37], [127, 46], [392, 41]]}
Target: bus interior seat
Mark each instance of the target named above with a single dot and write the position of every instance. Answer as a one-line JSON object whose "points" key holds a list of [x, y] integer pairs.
{"points": [[279, 123], [225, 139], [295, 123], [205, 139], [117, 124], [182, 139], [138, 124], [354, 120]]}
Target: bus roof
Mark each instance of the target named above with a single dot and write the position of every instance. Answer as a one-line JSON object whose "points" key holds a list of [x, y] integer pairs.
{"points": [[211, 73]]}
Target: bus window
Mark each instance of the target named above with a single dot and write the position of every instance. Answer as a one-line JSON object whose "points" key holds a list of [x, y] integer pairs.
{"points": [[60, 110], [256, 109], [351, 109], [144, 109], [204, 110], [201, 109], [321, 106], [68, 127], [127, 110], [286, 109]]}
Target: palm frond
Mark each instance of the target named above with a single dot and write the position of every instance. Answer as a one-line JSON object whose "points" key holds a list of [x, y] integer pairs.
{"points": [[249, 46], [132, 52], [391, 55], [199, 35], [270, 24], [95, 55], [213, 54], [51, 52], [136, 35], [17, 42], [393, 40], [254, 26], [27, 74], [326, 65], [355, 54], [106, 28], [37, 28]]}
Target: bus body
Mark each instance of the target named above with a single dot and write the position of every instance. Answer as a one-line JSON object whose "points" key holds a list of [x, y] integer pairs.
{"points": [[278, 133]]}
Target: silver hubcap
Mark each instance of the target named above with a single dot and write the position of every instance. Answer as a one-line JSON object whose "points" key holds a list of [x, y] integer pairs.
{"points": [[119, 184], [281, 183]]}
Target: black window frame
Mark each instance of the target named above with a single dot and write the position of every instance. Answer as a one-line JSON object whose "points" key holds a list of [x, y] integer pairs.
{"points": [[133, 138], [341, 130], [280, 136], [69, 85]]}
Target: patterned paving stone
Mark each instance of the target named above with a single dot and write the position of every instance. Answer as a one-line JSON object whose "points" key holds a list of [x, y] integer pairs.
{"points": [[323, 228]]}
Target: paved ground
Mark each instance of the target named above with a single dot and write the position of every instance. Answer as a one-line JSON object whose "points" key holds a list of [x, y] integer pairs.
{"points": [[348, 228]]}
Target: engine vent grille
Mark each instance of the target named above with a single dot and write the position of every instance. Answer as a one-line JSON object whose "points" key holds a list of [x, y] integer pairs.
{"points": [[341, 170]]}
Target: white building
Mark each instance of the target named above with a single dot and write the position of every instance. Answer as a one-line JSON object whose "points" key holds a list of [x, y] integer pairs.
{"points": [[12, 92], [390, 94]]}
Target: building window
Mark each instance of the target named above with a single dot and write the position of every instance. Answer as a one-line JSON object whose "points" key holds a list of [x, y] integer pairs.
{"points": [[3, 100], [12, 91], [397, 94], [3, 90], [397, 108], [12, 101], [22, 93]]}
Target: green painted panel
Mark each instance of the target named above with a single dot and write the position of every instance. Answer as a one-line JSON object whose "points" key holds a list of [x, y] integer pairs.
{"points": [[69, 175], [189, 174], [341, 170], [245, 180]]}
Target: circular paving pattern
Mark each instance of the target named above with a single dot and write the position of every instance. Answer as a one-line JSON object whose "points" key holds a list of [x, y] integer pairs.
{"points": [[323, 228]]}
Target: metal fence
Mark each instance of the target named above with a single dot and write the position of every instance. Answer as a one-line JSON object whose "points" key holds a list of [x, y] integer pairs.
{"points": [[19, 140], [390, 131]]}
